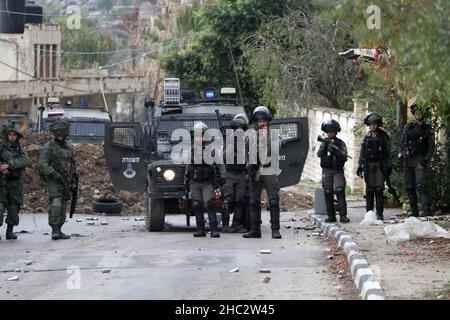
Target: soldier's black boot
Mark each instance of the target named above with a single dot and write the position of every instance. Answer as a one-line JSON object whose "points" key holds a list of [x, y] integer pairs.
{"points": [[276, 234], [426, 210], [62, 235], [329, 201], [274, 209], [226, 212], [255, 222], [9, 232], [412, 196], [369, 199], [237, 218], [199, 220], [380, 204], [55, 233], [340, 195], [212, 216]]}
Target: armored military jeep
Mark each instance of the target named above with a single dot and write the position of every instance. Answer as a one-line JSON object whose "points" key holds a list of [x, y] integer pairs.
{"points": [[139, 158]]}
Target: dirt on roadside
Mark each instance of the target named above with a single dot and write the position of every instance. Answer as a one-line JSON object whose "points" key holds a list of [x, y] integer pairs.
{"points": [[95, 182]]}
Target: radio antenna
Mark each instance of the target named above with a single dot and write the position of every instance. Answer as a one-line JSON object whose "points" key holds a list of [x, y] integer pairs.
{"points": [[235, 73]]}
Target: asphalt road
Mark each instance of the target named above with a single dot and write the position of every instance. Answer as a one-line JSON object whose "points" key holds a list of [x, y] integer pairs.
{"points": [[122, 260]]}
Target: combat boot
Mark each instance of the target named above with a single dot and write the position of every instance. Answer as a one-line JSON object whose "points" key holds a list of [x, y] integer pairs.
{"points": [[340, 195], [55, 233], [412, 196], [212, 216], [255, 222], [9, 232], [200, 221], [226, 220], [380, 204], [329, 201], [276, 234], [426, 210], [62, 235]]}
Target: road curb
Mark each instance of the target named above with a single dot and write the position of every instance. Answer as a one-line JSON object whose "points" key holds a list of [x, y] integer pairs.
{"points": [[363, 276]]}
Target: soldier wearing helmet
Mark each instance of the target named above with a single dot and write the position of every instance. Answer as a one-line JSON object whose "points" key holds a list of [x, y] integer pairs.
{"points": [[13, 160], [332, 162], [236, 178], [262, 117], [375, 162], [416, 149], [57, 165], [202, 181]]}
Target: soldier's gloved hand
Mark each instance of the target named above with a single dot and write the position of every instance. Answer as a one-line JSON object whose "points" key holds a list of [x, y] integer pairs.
{"points": [[424, 163], [359, 172], [400, 162], [56, 176]]}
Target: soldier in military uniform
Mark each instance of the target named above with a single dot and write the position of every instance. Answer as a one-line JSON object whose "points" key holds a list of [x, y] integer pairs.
{"points": [[332, 160], [13, 160], [262, 116], [202, 183], [416, 149], [375, 161], [57, 164], [236, 179]]}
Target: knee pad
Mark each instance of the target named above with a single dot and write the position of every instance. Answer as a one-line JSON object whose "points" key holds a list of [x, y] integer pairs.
{"points": [[56, 203], [421, 187], [211, 204], [197, 206], [410, 187], [328, 191], [370, 189], [273, 203], [379, 189], [255, 204], [228, 205], [340, 190]]}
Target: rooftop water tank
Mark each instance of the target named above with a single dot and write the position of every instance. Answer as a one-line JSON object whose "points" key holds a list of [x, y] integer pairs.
{"points": [[12, 16], [33, 12]]}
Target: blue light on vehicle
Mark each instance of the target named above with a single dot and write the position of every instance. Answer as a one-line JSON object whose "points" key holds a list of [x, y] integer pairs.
{"points": [[210, 93]]}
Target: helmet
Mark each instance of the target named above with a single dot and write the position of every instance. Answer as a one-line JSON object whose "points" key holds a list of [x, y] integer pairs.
{"points": [[261, 112], [413, 108], [240, 121], [14, 128], [331, 125], [200, 126], [60, 126], [373, 117]]}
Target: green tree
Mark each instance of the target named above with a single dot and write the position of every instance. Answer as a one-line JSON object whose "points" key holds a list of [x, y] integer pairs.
{"points": [[297, 56], [207, 60], [87, 39]]}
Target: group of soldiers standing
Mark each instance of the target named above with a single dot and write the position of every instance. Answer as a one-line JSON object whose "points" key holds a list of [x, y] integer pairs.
{"points": [[57, 167], [375, 164], [240, 179]]}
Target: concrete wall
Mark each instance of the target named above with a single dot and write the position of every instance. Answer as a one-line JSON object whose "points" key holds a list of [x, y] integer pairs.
{"points": [[348, 120], [18, 51]]}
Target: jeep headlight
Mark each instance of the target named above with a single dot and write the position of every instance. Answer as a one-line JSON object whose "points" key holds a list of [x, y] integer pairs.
{"points": [[169, 175]]}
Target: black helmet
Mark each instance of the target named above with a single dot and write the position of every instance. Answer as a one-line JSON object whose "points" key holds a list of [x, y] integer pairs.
{"points": [[261, 112], [331, 125], [413, 108], [373, 117]]}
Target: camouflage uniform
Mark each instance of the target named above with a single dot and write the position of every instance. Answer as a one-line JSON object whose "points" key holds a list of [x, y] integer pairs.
{"points": [[236, 181], [11, 193], [202, 183], [57, 164], [259, 181]]}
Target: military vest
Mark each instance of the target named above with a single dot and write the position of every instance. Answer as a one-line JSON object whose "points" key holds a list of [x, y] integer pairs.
{"points": [[62, 156], [333, 159], [416, 139], [375, 148]]}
